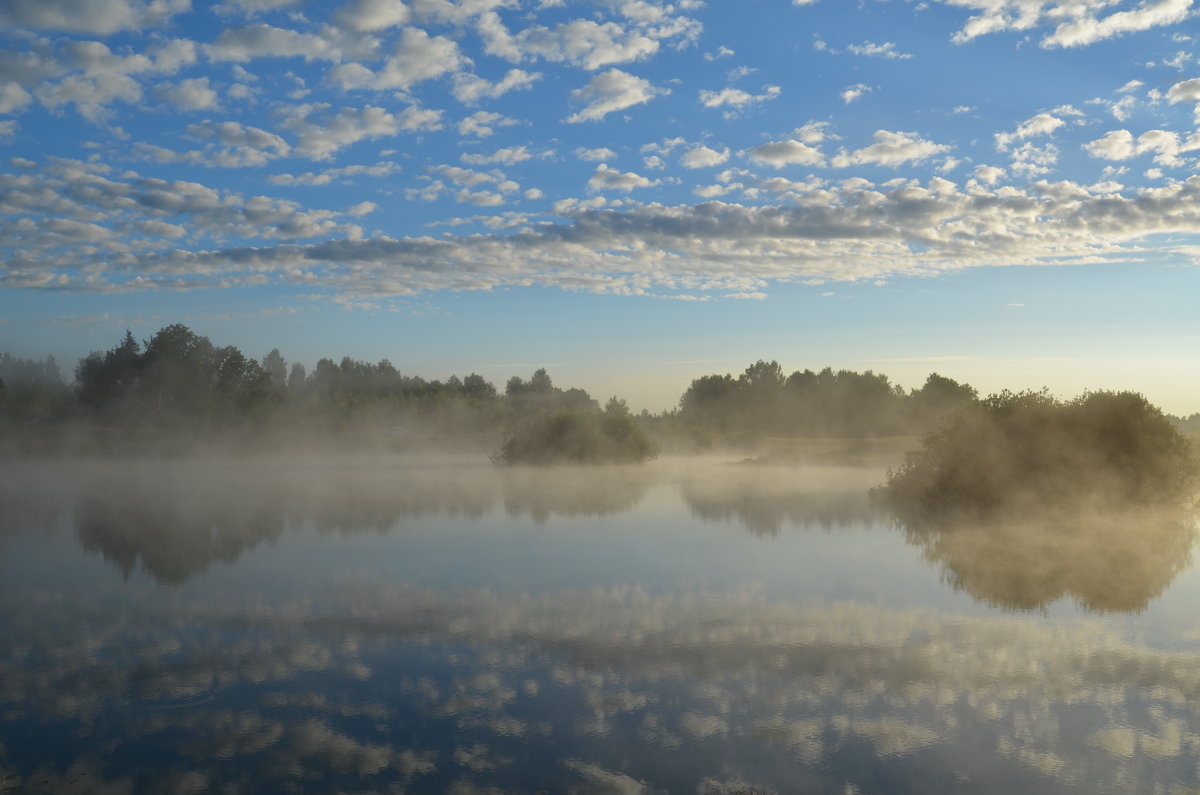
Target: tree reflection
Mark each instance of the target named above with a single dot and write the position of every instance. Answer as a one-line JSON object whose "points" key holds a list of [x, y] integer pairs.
{"points": [[176, 521], [766, 499], [1107, 562], [170, 536]]}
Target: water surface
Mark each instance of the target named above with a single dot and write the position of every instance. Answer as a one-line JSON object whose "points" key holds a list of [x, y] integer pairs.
{"points": [[404, 625]]}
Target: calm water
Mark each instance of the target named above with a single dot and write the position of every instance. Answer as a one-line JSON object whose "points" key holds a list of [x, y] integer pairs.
{"points": [[391, 625]]}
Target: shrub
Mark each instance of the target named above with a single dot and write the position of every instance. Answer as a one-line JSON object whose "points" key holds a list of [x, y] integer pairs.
{"points": [[576, 437], [1031, 450]]}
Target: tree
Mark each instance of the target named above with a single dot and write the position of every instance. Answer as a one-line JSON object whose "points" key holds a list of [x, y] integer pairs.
{"points": [[104, 379], [276, 367], [297, 377], [477, 388], [177, 371]]}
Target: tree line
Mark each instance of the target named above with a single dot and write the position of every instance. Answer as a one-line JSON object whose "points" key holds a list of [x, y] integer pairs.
{"points": [[177, 389]]}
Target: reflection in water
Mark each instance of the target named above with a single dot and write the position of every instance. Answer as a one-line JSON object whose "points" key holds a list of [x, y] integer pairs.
{"points": [[765, 499], [175, 521], [1111, 562], [356, 679], [376, 685]]}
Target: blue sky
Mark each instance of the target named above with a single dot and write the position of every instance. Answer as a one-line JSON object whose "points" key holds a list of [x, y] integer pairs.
{"points": [[627, 192]]}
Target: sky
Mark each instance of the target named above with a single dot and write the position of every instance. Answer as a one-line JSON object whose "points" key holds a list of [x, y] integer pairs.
{"points": [[630, 193]]}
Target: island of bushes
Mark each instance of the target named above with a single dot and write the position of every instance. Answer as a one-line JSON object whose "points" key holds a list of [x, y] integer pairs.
{"points": [[1028, 451]]}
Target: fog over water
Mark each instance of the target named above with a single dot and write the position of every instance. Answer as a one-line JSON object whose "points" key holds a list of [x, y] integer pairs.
{"points": [[438, 624]]}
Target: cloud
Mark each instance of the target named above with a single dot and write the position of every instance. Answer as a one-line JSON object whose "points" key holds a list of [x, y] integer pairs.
{"points": [[261, 40], [1041, 124], [587, 43], [469, 88], [1165, 145], [320, 136], [1186, 91], [91, 96], [1030, 161], [13, 97], [98, 17], [508, 156], [703, 157], [787, 153], [236, 144], [988, 175], [611, 91], [737, 98], [855, 92], [329, 176], [607, 178], [191, 94], [1075, 25], [415, 58], [482, 124], [885, 50], [371, 15], [598, 155], [891, 149], [1087, 29]]}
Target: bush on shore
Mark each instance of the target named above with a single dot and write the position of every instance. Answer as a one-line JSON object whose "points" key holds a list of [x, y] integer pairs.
{"points": [[1029, 450], [579, 438]]}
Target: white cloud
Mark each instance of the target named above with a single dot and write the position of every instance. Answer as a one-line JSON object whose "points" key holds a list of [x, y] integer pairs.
{"points": [[1075, 24], [509, 155], [854, 92], [598, 155], [607, 178], [469, 88], [470, 178], [787, 153], [582, 42], [99, 17], [885, 50], [1041, 124], [319, 137], [1088, 29], [191, 94], [13, 97], [1031, 160], [234, 134], [1186, 91], [890, 149], [371, 15], [329, 176], [703, 157], [736, 98], [251, 7], [1165, 145], [91, 96], [989, 175], [415, 58], [721, 52], [1122, 109], [483, 123], [611, 91], [590, 44], [261, 40], [480, 198], [851, 232]]}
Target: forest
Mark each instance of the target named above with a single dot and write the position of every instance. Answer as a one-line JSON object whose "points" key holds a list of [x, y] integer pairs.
{"points": [[177, 392]]}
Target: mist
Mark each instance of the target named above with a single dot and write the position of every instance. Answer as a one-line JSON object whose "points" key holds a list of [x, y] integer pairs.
{"points": [[221, 572]]}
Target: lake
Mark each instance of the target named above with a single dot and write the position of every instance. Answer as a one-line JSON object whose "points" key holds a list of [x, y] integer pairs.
{"points": [[400, 624]]}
